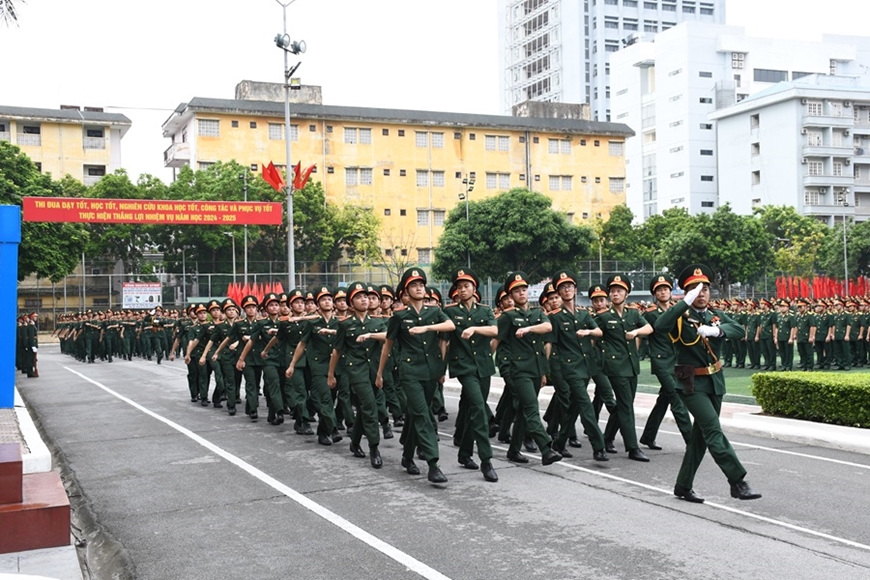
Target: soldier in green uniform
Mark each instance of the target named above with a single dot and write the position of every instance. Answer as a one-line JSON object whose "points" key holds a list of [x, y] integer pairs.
{"points": [[806, 334], [740, 344], [354, 350], [92, 331], [269, 361], [524, 329], [856, 332], [380, 397], [341, 393], [228, 357], [240, 335], [663, 357], [573, 329], [784, 330], [841, 326], [753, 347], [698, 333], [317, 343], [764, 335], [421, 367], [823, 346], [604, 396], [505, 411], [197, 374], [393, 396], [213, 337], [469, 358], [621, 326]]}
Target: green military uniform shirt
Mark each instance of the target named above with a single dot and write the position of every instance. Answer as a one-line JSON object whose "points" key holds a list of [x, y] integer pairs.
{"points": [[527, 356], [472, 356]]}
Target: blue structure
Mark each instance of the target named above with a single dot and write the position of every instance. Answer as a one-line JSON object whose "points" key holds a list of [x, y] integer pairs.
{"points": [[10, 238]]}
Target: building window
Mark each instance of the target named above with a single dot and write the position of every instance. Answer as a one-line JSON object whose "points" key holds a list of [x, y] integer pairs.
{"points": [[365, 175], [666, 7], [387, 211], [402, 173], [756, 177], [403, 212], [401, 132], [707, 152], [386, 172], [706, 100], [707, 204], [438, 140], [206, 164], [422, 178], [438, 179], [811, 197], [365, 136], [617, 184], [706, 178], [815, 108], [351, 176], [650, 26], [421, 138], [253, 125], [676, 175], [422, 217], [385, 132], [650, 5], [707, 126], [560, 182], [559, 146], [498, 180], [688, 9], [814, 168], [489, 142], [765, 75], [209, 127], [351, 135], [754, 121], [438, 217], [814, 138], [705, 74], [424, 255], [838, 168], [616, 148], [276, 131]]}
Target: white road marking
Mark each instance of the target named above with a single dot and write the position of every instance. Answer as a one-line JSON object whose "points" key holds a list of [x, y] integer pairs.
{"points": [[387, 549]]}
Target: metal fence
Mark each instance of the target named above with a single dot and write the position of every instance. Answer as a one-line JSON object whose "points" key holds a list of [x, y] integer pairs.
{"points": [[99, 285]]}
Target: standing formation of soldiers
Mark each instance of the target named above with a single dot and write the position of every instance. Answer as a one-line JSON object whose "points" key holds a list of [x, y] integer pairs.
{"points": [[26, 345]]}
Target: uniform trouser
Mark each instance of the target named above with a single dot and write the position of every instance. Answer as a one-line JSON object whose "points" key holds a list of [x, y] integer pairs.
{"points": [[805, 353], [622, 421], [343, 399], [220, 389], [391, 395], [272, 388], [110, 342], [438, 399], [197, 379], [504, 409], [667, 397], [232, 380], [579, 406], [604, 396], [157, 344], [854, 345], [842, 355], [366, 414], [475, 427], [768, 351], [381, 401], [252, 375], [528, 419], [786, 354], [127, 345], [740, 353], [707, 434], [754, 352], [728, 351], [91, 346], [824, 350], [419, 430], [321, 398], [295, 395]]}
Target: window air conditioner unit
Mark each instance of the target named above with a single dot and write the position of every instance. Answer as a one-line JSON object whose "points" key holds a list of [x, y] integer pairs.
{"points": [[847, 161], [803, 101], [804, 161], [847, 103], [803, 131], [846, 133]]}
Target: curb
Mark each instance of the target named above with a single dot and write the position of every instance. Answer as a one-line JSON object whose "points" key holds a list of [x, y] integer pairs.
{"points": [[37, 459]]}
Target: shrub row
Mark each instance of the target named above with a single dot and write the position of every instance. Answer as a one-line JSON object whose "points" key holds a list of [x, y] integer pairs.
{"points": [[841, 399]]}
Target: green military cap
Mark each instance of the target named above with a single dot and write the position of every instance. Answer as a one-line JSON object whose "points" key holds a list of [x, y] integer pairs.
{"points": [[694, 274], [213, 304], [229, 303], [564, 277], [434, 294], [411, 275], [548, 291], [466, 274], [373, 290], [321, 292], [660, 280], [387, 290], [355, 288], [250, 300], [309, 296], [270, 297], [295, 294], [190, 308], [340, 292], [499, 294], [282, 298], [620, 280], [515, 280], [597, 291], [199, 307]]}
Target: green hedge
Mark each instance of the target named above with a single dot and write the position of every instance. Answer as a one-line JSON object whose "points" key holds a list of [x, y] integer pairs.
{"points": [[841, 399]]}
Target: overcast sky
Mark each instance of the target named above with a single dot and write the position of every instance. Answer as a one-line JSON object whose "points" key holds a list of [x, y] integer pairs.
{"points": [[144, 58]]}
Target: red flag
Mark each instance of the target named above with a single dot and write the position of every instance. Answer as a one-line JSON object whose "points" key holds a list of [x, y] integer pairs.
{"points": [[302, 176], [273, 177], [297, 169], [279, 288]]}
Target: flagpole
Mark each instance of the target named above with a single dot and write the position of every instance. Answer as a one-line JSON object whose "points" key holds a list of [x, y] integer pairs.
{"points": [[291, 249]]}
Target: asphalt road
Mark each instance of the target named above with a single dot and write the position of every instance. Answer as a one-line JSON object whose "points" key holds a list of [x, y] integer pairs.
{"points": [[190, 492]]}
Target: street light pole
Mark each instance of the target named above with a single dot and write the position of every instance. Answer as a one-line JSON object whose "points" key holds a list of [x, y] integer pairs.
{"points": [[468, 182], [245, 177], [845, 256], [233, 236]]}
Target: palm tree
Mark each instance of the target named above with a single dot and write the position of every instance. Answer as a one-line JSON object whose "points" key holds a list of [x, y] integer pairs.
{"points": [[7, 11]]}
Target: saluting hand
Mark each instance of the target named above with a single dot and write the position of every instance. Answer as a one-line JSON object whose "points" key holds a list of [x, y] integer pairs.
{"points": [[693, 294]]}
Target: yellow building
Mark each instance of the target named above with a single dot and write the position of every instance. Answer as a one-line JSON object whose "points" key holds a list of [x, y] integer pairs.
{"points": [[411, 167], [85, 144]]}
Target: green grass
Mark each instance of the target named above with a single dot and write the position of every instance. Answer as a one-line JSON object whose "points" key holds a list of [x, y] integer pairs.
{"points": [[737, 381]]}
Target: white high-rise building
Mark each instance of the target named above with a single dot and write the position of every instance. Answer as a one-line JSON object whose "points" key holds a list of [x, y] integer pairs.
{"points": [[804, 143], [559, 50], [667, 91]]}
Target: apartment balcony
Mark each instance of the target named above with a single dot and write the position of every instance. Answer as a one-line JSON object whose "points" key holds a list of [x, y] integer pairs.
{"points": [[93, 142], [178, 155], [824, 209], [5, 136], [29, 140], [828, 180], [827, 150], [91, 179], [828, 121], [861, 127], [862, 154], [862, 184]]}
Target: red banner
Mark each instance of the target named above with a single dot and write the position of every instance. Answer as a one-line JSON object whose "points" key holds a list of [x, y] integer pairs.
{"points": [[151, 211]]}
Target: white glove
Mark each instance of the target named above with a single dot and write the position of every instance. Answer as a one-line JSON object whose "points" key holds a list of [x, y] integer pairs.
{"points": [[692, 294], [34, 348], [708, 331]]}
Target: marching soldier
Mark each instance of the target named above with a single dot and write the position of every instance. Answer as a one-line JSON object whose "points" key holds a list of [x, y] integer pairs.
{"points": [[699, 333], [262, 332], [841, 326], [784, 329], [823, 345], [764, 335], [806, 334]]}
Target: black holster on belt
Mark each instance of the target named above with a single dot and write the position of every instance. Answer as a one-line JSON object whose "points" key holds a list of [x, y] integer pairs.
{"points": [[686, 375]]}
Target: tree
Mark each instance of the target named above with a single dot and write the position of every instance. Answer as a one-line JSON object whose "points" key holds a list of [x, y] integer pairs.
{"points": [[797, 239], [655, 230], [515, 230], [731, 244], [857, 246], [49, 250], [620, 239]]}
